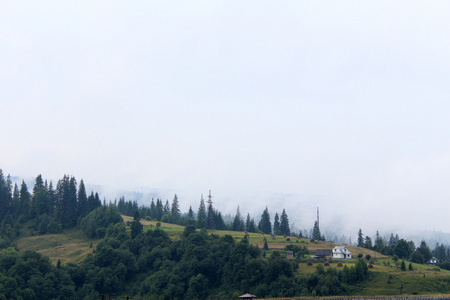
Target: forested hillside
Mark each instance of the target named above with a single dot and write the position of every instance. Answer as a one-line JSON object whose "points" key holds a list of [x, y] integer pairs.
{"points": [[130, 261]]}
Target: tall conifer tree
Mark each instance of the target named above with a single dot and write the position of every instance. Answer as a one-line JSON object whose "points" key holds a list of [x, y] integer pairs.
{"points": [[25, 199], [175, 210], [276, 224], [201, 215], [82, 200], [264, 224], [284, 224]]}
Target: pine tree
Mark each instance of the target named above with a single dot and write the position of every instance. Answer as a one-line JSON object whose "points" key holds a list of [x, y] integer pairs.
{"points": [[9, 200], [201, 215], [316, 235], [25, 199], [276, 224], [153, 210], [16, 200], [238, 223], [159, 209], [379, 243], [51, 198], [3, 196], [40, 203], [392, 240], [175, 210], [210, 217], [219, 224], [247, 223], [93, 202], [264, 224], [190, 212], [66, 204], [284, 224], [167, 208], [425, 251], [368, 243], [360, 238], [82, 200]]}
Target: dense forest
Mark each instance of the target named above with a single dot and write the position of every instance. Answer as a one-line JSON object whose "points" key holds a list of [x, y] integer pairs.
{"points": [[149, 264]]}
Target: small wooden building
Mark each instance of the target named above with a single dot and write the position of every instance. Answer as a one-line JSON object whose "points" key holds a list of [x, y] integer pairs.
{"points": [[290, 254]]}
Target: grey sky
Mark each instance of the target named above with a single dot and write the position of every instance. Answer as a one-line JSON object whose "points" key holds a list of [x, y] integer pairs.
{"points": [[295, 104]]}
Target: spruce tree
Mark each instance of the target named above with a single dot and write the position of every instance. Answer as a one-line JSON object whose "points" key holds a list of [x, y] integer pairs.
{"points": [[153, 210], [379, 243], [25, 199], [66, 204], [159, 209], [211, 215], [316, 235], [3, 196], [368, 243], [276, 224], [284, 224], [167, 208], [425, 251], [190, 212], [247, 223], [238, 223], [40, 203], [201, 215], [16, 199], [360, 239], [175, 210], [264, 224], [219, 224], [82, 200]]}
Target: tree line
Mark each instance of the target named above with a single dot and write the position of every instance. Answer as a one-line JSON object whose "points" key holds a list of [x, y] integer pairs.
{"points": [[403, 249], [206, 217], [150, 265], [47, 209]]}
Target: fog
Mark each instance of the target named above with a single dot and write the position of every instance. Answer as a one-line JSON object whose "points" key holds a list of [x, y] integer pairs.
{"points": [[296, 105]]}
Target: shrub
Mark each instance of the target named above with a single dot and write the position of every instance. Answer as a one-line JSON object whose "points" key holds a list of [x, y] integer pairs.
{"points": [[309, 263], [370, 266]]}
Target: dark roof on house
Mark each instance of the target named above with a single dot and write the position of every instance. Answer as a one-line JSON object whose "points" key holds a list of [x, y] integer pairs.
{"points": [[323, 252]]}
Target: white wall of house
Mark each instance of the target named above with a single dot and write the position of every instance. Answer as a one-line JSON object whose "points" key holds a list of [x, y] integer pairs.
{"points": [[341, 252]]}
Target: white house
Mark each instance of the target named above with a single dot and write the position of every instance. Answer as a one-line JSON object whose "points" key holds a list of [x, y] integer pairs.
{"points": [[341, 252], [432, 262]]}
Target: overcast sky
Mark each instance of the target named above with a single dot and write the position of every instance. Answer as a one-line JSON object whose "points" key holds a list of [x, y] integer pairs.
{"points": [[342, 105]]}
